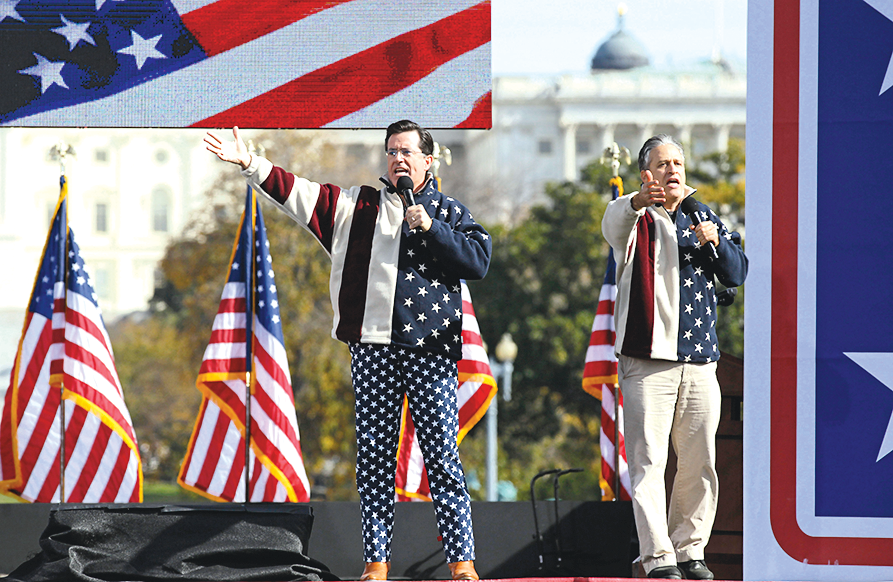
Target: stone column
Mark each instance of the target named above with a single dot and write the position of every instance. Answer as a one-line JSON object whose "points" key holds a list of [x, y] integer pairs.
{"points": [[721, 137], [645, 131], [569, 133], [607, 136]]}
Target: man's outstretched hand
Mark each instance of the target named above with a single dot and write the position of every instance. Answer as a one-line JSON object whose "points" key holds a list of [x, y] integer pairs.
{"points": [[235, 152]]}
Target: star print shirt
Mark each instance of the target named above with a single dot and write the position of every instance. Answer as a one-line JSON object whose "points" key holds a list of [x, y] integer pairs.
{"points": [[389, 284], [666, 297]]}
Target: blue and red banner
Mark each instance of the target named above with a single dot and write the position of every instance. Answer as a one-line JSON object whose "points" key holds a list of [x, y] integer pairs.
{"points": [[819, 352]]}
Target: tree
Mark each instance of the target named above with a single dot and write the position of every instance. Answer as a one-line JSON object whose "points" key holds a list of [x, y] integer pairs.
{"points": [[161, 354]]}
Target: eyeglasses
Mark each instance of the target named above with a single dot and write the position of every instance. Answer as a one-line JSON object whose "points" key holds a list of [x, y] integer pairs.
{"points": [[404, 153]]}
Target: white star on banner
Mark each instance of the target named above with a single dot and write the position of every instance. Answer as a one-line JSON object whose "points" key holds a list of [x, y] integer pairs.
{"points": [[879, 365], [74, 32], [885, 8], [50, 73], [143, 49]]}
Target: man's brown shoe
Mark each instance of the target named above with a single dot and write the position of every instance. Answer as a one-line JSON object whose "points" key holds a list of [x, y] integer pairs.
{"points": [[463, 570], [376, 571]]}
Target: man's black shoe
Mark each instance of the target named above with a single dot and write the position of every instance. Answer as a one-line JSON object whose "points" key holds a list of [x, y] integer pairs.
{"points": [[695, 570], [666, 572]]}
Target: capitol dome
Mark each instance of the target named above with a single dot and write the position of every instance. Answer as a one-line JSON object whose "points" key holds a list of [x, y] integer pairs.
{"points": [[621, 51]]}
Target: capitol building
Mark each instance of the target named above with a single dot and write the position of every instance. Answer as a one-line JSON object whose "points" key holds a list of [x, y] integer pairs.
{"points": [[133, 190]]}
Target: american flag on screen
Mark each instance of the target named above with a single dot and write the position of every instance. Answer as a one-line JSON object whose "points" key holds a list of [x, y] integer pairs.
{"points": [[600, 380], [65, 358], [264, 64], [476, 388], [247, 339]]}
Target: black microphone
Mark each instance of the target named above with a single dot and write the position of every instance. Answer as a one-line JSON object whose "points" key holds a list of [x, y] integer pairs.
{"points": [[726, 296], [404, 191], [690, 207]]}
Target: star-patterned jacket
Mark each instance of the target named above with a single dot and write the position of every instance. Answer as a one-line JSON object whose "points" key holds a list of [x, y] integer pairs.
{"points": [[389, 284], [666, 297]]}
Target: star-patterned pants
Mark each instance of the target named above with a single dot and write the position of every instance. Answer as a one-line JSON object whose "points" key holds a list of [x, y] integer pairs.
{"points": [[381, 375]]}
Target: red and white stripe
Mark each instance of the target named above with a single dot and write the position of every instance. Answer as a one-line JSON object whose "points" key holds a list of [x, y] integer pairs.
{"points": [[476, 388], [314, 63]]}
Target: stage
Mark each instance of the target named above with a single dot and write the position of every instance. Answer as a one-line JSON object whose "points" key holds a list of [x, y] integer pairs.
{"points": [[590, 541]]}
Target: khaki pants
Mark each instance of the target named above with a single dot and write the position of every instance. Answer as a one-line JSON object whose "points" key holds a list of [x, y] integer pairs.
{"points": [[665, 400]]}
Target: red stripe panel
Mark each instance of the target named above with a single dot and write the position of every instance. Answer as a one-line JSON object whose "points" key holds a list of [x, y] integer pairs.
{"points": [[605, 307], [226, 24], [473, 404], [481, 114], [228, 336], [352, 297], [322, 222], [639, 337], [331, 92], [227, 366], [279, 184]]}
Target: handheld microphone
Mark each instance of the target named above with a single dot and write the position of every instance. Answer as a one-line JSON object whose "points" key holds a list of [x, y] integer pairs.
{"points": [[404, 191], [690, 207], [726, 296]]}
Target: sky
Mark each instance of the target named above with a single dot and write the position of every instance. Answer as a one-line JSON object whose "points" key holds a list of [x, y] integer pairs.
{"points": [[561, 36]]}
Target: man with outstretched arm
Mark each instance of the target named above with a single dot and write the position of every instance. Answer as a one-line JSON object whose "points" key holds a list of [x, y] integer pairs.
{"points": [[665, 317], [395, 290]]}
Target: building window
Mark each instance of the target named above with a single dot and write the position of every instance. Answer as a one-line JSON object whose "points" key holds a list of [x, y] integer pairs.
{"points": [[102, 217], [102, 282], [544, 147], [101, 155], [160, 209], [583, 146]]}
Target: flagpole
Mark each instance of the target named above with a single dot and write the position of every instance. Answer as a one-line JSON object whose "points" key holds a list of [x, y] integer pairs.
{"points": [[250, 214], [249, 337], [58, 152], [614, 154]]}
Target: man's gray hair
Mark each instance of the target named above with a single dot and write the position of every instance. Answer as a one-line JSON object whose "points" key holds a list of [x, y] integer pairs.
{"points": [[651, 143]]}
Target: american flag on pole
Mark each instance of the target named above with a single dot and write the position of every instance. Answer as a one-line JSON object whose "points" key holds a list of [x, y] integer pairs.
{"points": [[600, 380], [64, 375], [268, 63], [476, 388], [246, 341]]}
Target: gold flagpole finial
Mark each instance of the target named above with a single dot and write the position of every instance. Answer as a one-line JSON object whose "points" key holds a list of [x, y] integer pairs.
{"points": [[60, 151]]}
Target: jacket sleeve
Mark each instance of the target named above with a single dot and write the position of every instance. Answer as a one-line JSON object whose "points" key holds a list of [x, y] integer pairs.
{"points": [[731, 267], [311, 205], [619, 225], [460, 243]]}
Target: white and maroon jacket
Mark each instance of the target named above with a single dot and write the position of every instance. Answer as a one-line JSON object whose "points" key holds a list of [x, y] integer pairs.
{"points": [[389, 284], [666, 298]]}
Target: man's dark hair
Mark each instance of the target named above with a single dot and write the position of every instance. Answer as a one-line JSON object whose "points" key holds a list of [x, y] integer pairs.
{"points": [[426, 142], [653, 142]]}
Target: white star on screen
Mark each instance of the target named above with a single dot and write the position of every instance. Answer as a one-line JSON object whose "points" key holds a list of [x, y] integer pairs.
{"points": [[8, 10], [74, 32], [879, 365], [50, 73], [143, 49]]}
